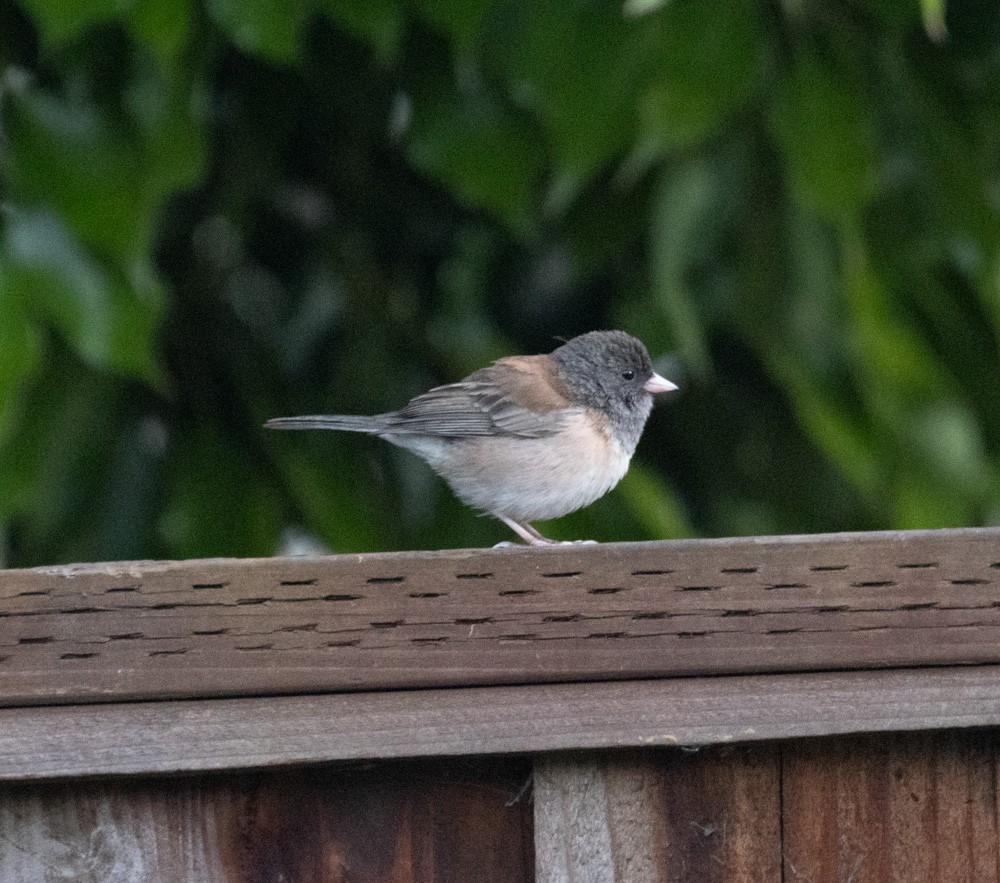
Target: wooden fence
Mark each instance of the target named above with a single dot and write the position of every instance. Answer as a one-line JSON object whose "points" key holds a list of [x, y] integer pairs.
{"points": [[762, 709]]}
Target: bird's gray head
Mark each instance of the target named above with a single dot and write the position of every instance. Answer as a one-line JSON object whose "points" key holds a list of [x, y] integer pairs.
{"points": [[611, 371]]}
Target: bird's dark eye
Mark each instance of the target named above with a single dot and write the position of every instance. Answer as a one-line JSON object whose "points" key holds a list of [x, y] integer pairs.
{"points": [[628, 375]]}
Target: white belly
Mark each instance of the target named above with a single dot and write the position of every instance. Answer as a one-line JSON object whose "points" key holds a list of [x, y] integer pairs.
{"points": [[527, 479]]}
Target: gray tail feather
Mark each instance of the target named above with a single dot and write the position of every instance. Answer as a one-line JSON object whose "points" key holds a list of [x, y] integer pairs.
{"points": [[345, 422]]}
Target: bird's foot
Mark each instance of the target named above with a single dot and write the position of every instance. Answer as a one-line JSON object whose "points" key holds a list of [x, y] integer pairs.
{"points": [[533, 538]]}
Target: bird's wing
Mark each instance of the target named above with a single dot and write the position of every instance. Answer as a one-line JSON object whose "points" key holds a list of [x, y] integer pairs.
{"points": [[489, 402]]}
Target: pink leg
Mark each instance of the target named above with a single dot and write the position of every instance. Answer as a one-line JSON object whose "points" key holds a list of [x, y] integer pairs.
{"points": [[527, 533]]}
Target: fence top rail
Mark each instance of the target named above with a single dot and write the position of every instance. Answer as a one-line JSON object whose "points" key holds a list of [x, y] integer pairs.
{"points": [[468, 618], [227, 734]]}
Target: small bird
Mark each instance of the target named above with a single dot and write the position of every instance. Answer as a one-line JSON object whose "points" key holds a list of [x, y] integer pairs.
{"points": [[527, 438]]}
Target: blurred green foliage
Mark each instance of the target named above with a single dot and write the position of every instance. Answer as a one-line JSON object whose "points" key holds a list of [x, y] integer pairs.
{"points": [[218, 212]]}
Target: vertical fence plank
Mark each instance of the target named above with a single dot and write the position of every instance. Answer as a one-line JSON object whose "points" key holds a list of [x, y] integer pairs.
{"points": [[901, 808], [451, 822], [658, 816], [724, 807], [598, 820], [108, 833]]}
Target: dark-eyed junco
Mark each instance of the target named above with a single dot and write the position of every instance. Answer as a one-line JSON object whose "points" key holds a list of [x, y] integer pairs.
{"points": [[529, 437]]}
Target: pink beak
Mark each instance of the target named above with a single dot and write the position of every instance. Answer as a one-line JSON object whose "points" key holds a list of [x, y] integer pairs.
{"points": [[658, 384]]}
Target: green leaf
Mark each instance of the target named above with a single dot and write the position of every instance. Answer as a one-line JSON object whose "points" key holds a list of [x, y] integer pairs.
{"points": [[844, 437], [923, 504], [948, 439], [106, 181], [709, 62], [61, 20], [57, 280], [654, 504], [683, 210], [460, 19], [163, 27], [378, 21], [218, 502], [20, 351], [897, 15], [63, 156], [571, 64], [480, 154], [171, 145], [900, 371], [261, 27], [54, 459], [334, 507], [932, 13], [827, 139]]}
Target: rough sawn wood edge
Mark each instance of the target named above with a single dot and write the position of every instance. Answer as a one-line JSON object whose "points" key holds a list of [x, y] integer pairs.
{"points": [[226, 734]]}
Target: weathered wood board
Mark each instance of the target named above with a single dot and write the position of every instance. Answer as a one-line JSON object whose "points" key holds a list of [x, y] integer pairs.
{"points": [[463, 618]]}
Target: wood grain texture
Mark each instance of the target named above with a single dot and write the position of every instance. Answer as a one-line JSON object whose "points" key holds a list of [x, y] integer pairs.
{"points": [[617, 611], [398, 823], [164, 737], [657, 817], [598, 819], [901, 808], [723, 808]]}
